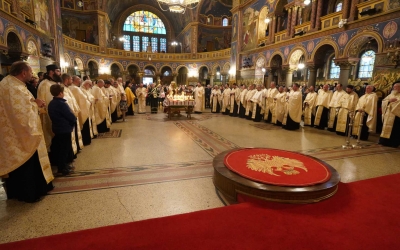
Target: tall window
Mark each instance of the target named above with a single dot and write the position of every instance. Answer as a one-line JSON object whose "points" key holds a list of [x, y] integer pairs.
{"points": [[225, 21], [334, 70], [143, 28], [366, 64], [339, 6]]}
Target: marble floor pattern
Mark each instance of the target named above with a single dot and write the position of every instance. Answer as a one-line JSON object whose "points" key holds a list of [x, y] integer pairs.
{"points": [[161, 167]]}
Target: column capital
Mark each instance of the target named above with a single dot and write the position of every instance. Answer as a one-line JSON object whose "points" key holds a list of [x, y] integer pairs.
{"points": [[346, 63], [140, 73]]}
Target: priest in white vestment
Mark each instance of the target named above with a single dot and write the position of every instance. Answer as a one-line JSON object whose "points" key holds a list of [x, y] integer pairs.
{"points": [[215, 100], [390, 135], [334, 106], [226, 95], [86, 89], [269, 102], [249, 104], [309, 107], [242, 102], [348, 106], [258, 108], [322, 112], [234, 100], [141, 94], [293, 113], [100, 107], [366, 116], [279, 107], [198, 93]]}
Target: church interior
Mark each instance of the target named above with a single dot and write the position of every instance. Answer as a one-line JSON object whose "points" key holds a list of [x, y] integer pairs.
{"points": [[158, 167]]}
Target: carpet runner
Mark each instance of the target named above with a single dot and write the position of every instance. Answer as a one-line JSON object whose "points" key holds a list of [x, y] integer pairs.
{"points": [[362, 215]]}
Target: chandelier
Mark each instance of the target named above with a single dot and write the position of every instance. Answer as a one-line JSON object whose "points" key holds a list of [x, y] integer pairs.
{"points": [[178, 6]]}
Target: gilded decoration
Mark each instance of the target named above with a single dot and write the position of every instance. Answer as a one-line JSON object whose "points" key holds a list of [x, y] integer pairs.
{"points": [[270, 164], [343, 39]]}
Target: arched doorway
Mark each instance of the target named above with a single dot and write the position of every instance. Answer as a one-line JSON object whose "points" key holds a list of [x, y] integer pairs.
{"points": [[149, 76], [93, 69], [203, 75], [166, 76], [115, 71], [276, 70], [182, 78], [324, 70], [133, 73]]}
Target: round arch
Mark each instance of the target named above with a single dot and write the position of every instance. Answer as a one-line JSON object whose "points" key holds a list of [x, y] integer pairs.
{"points": [[94, 61], [132, 64], [68, 60], [121, 68], [32, 46], [325, 43], [276, 53], [181, 66], [12, 29], [79, 63], [354, 42], [214, 68], [164, 67], [226, 67]]}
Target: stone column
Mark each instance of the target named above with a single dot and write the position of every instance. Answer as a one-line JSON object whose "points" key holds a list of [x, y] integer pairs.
{"points": [[289, 22], [174, 76], [312, 78], [318, 17], [212, 79], [353, 10], [345, 9], [313, 13], [345, 65], [223, 75], [272, 30], [299, 16], [140, 74], [82, 73], [158, 76], [289, 77], [270, 77], [294, 20]]}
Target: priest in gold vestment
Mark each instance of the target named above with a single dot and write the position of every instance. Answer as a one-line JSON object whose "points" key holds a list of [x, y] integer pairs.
{"points": [[130, 100], [390, 135], [366, 115], [100, 107], [199, 98], [258, 105], [242, 103], [322, 112], [269, 102], [84, 106], [52, 76], [309, 107], [24, 161], [215, 99], [235, 93], [334, 106], [226, 95], [349, 104], [279, 107]]}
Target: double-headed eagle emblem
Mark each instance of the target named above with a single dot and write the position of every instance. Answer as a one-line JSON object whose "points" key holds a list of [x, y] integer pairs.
{"points": [[270, 164]]}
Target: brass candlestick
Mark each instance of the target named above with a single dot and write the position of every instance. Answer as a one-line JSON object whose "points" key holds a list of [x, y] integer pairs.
{"points": [[348, 145]]}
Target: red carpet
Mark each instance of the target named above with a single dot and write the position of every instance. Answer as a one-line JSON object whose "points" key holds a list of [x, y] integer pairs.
{"points": [[277, 167], [362, 215]]}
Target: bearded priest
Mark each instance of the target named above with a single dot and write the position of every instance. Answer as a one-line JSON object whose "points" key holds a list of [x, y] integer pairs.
{"points": [[390, 135]]}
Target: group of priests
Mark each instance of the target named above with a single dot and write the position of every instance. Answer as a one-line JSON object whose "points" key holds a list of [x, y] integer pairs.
{"points": [[30, 134], [325, 109]]}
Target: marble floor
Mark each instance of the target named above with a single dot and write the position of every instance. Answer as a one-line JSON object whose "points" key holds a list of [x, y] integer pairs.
{"points": [[160, 167]]}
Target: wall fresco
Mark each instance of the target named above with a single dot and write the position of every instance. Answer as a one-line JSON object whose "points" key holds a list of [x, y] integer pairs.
{"points": [[209, 39]]}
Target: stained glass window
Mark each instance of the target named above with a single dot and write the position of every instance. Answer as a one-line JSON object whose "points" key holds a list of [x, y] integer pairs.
{"points": [[225, 21], [127, 42], [154, 44], [366, 64], [339, 7], [145, 43], [143, 28], [136, 43], [163, 45], [334, 70]]}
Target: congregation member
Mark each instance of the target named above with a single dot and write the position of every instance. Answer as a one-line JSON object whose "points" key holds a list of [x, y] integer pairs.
{"points": [[84, 106], [130, 99], [51, 77], [310, 107], [390, 135], [86, 89], [242, 104], [32, 86], [24, 163], [348, 105], [226, 96], [207, 92], [334, 106], [215, 100], [257, 101], [279, 106], [101, 107], [322, 107], [269, 102], [141, 93], [198, 93], [63, 124], [293, 113], [234, 100], [366, 115], [249, 104]]}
